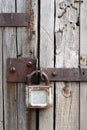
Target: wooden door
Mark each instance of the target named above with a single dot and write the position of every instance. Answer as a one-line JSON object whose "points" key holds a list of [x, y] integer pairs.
{"points": [[57, 37]]}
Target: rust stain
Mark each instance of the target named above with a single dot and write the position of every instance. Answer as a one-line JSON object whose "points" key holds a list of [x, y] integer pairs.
{"points": [[10, 86], [48, 106], [31, 25]]}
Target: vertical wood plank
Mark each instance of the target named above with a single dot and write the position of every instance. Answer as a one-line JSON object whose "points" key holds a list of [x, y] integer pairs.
{"points": [[10, 102], [1, 87], [26, 47], [83, 64], [67, 55], [1, 82], [9, 50], [46, 54]]}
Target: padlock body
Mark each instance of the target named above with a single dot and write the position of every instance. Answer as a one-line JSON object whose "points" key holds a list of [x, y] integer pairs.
{"points": [[38, 96]]}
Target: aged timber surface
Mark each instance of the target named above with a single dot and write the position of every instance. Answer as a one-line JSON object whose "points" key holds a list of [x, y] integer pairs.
{"points": [[46, 116], [67, 56], [83, 64]]}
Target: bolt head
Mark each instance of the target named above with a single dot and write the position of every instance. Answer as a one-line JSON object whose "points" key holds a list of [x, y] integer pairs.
{"points": [[12, 69], [29, 64], [54, 73]]}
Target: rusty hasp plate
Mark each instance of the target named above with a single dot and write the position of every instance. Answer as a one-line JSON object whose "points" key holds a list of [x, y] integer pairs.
{"points": [[66, 74], [17, 69], [14, 19]]}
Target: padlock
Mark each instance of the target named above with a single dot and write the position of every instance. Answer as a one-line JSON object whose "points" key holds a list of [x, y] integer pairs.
{"points": [[38, 96]]}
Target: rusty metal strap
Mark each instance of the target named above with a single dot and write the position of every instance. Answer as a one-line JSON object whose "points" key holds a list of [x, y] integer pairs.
{"points": [[14, 19], [66, 74], [17, 69]]}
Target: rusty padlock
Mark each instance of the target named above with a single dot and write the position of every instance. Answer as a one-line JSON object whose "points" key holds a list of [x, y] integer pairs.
{"points": [[38, 96]]}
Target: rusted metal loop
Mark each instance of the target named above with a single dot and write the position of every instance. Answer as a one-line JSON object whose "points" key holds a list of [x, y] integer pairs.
{"points": [[30, 76]]}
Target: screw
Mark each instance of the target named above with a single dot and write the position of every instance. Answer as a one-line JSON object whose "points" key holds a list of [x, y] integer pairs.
{"points": [[29, 64], [54, 73], [12, 69]]}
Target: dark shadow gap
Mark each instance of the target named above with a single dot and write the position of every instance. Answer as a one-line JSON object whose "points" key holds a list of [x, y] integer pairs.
{"points": [[79, 58], [38, 46], [37, 119], [54, 112], [3, 85], [38, 60], [16, 57]]}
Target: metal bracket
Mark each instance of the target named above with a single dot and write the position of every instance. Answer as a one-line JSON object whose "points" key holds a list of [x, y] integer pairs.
{"points": [[18, 69], [14, 19], [66, 74]]}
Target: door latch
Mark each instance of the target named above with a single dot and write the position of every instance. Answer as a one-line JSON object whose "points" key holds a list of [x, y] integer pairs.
{"points": [[25, 70], [17, 69]]}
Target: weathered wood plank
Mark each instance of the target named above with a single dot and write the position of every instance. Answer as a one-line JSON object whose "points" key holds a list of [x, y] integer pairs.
{"points": [[67, 55], [1, 82], [46, 55], [9, 50], [1, 87], [26, 47], [10, 104], [83, 64]]}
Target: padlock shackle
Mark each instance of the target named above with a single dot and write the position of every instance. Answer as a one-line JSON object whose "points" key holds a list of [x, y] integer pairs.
{"points": [[30, 76]]}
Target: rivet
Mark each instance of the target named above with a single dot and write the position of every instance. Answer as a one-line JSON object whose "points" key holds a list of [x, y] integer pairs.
{"points": [[54, 73], [12, 69], [29, 64]]}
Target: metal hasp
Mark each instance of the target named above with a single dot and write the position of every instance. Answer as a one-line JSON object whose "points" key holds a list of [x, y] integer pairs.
{"points": [[66, 74], [17, 69], [14, 19]]}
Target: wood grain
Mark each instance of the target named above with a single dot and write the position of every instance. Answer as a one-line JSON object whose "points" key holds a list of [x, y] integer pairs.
{"points": [[16, 43], [22, 51], [67, 55], [9, 50], [26, 47], [1, 87], [83, 64], [70, 107], [46, 55]]}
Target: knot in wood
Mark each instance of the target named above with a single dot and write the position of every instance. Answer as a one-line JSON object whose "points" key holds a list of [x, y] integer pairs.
{"points": [[67, 92]]}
